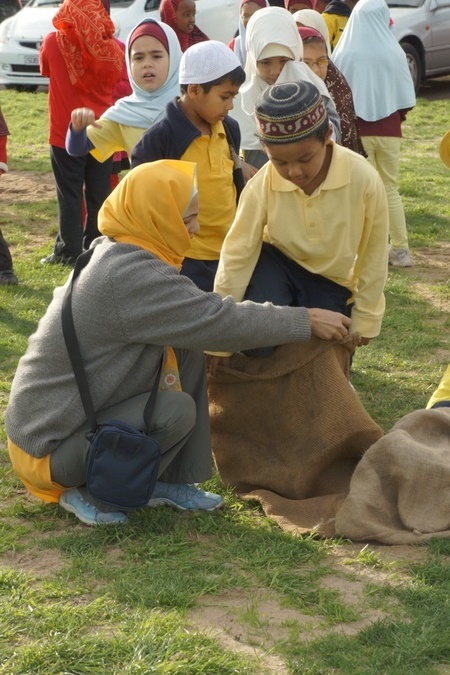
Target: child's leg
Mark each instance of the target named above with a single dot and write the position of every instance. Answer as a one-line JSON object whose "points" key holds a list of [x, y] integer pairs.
{"points": [[69, 177], [201, 272], [384, 154], [97, 183]]}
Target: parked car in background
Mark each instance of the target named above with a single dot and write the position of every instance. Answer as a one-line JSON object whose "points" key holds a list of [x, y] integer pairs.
{"points": [[423, 29], [21, 35]]}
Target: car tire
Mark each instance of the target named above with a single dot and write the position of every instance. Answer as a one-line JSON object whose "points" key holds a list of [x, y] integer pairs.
{"points": [[414, 64]]}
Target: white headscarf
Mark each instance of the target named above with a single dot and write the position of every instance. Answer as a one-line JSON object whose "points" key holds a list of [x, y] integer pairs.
{"points": [[240, 40], [373, 63], [312, 19], [274, 25], [142, 108]]}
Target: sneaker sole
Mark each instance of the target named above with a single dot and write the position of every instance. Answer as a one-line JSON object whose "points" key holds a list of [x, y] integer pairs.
{"points": [[161, 501], [72, 509]]}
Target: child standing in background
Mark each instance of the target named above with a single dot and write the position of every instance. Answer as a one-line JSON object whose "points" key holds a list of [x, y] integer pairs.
{"points": [[83, 63], [196, 128], [274, 53], [153, 57], [247, 9], [180, 16], [316, 57], [375, 66], [7, 276]]}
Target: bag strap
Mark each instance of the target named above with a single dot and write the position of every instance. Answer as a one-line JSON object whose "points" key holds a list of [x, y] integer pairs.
{"points": [[73, 348]]}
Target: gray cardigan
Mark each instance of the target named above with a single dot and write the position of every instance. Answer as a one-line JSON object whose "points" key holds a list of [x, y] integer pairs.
{"points": [[127, 306]]}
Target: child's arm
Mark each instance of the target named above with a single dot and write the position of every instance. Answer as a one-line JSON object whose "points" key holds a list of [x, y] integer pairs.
{"points": [[371, 265], [77, 142]]}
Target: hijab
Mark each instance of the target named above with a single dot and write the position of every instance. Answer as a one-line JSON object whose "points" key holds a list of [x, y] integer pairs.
{"points": [[239, 44], [274, 26], [85, 39], [373, 63], [167, 11], [152, 220], [143, 108], [312, 19]]}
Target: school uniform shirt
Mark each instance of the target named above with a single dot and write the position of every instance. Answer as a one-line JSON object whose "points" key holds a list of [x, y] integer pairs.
{"points": [[339, 232], [112, 137]]}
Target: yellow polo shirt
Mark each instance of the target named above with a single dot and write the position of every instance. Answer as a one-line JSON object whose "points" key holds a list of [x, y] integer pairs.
{"points": [[216, 192], [340, 232], [112, 137]]}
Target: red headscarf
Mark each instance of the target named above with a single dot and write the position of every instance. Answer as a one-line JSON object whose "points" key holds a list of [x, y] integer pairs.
{"points": [[309, 3], [85, 39], [167, 11]]}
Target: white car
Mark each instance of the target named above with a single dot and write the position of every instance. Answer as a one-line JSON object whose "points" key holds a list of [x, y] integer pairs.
{"points": [[21, 35], [423, 29]]}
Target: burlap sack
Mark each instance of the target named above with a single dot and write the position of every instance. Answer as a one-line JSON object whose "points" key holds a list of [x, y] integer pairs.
{"points": [[400, 491], [288, 431]]}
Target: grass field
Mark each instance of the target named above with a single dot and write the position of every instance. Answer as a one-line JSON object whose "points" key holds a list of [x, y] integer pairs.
{"points": [[226, 594]]}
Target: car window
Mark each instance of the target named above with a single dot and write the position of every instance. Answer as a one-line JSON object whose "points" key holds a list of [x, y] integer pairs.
{"points": [[120, 3], [44, 3], [405, 3]]}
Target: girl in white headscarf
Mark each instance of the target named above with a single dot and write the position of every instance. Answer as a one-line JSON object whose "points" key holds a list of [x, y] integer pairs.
{"points": [[376, 69], [312, 19], [274, 53], [153, 55]]}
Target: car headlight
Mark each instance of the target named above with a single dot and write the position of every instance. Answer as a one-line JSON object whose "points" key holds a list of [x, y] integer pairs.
{"points": [[4, 29]]}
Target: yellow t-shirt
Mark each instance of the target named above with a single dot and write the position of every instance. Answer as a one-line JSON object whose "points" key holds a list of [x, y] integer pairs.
{"points": [[216, 190], [112, 137], [335, 24]]}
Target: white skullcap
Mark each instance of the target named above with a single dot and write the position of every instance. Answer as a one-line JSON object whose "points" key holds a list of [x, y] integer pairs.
{"points": [[206, 62]]}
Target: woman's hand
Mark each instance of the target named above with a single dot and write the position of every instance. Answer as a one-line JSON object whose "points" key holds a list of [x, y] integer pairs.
{"points": [[328, 325]]}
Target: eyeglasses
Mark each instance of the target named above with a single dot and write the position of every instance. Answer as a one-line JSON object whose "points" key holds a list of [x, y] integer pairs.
{"points": [[320, 63]]}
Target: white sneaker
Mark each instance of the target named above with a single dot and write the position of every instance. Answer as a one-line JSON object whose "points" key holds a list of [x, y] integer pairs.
{"points": [[399, 257]]}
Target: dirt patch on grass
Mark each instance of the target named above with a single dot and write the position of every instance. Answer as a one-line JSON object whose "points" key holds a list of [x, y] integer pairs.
{"points": [[27, 186]]}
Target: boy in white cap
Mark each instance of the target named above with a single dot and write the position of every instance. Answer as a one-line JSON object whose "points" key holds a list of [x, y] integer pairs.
{"points": [[196, 128]]}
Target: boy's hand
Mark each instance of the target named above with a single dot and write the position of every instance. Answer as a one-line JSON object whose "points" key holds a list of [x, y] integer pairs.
{"points": [[83, 117], [362, 342], [328, 325]]}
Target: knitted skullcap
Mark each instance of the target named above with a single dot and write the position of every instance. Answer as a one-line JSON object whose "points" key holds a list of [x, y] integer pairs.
{"points": [[149, 28], [206, 62], [286, 113], [444, 149]]}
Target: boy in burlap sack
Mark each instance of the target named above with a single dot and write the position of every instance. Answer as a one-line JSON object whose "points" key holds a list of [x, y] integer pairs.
{"points": [[311, 229]]}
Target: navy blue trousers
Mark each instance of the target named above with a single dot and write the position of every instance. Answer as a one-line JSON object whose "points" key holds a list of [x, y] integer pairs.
{"points": [[280, 280]]}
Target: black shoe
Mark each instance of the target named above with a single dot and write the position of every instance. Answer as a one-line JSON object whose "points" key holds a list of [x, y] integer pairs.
{"points": [[54, 259], [8, 278]]}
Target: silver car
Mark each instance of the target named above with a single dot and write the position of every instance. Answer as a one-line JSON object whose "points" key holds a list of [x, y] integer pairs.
{"points": [[423, 29]]}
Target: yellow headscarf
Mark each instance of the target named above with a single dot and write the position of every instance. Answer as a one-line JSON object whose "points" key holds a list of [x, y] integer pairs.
{"points": [[146, 209]]}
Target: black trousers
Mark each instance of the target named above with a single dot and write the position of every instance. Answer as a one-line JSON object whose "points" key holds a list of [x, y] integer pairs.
{"points": [[5, 255], [278, 279], [72, 175]]}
